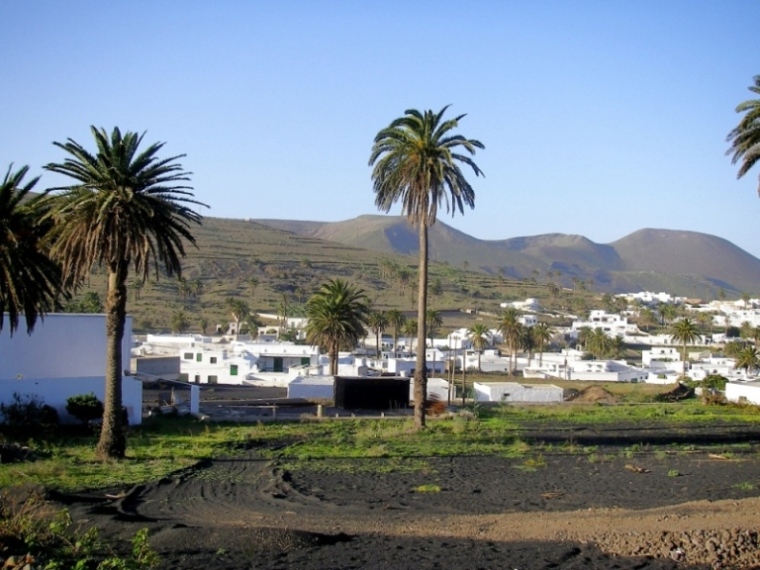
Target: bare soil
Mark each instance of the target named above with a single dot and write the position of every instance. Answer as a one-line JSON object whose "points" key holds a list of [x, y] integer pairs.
{"points": [[657, 508]]}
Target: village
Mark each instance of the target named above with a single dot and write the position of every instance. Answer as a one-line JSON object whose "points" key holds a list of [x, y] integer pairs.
{"points": [[65, 357]]}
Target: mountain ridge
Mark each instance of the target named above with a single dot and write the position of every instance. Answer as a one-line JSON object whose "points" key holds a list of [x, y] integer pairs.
{"points": [[647, 256]]}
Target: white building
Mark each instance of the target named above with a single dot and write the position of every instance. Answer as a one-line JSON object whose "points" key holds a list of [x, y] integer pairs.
{"points": [[526, 305], [743, 391], [65, 356], [612, 324], [515, 392]]}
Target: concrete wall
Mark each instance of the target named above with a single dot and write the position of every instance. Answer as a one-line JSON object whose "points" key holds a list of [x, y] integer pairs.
{"points": [[735, 391], [164, 366], [61, 346], [55, 391]]}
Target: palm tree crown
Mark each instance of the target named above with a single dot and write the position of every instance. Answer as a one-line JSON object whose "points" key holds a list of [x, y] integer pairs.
{"points": [[416, 161], [745, 138], [29, 279], [480, 337], [685, 331], [337, 313], [127, 208]]}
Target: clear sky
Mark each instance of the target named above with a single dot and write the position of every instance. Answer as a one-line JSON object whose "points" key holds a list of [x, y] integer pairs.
{"points": [[599, 118]]}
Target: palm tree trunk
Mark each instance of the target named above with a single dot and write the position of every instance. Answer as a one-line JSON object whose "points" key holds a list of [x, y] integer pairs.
{"points": [[420, 373], [333, 359], [113, 440]]}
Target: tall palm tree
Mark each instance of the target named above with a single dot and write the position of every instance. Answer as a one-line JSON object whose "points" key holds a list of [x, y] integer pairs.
{"points": [[598, 343], [480, 337], [416, 161], [433, 321], [127, 208], [396, 319], [684, 331], [378, 322], [239, 311], [29, 279], [745, 138], [542, 333], [511, 328], [337, 313]]}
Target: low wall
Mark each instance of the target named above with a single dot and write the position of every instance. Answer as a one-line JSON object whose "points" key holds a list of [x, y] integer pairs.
{"points": [[55, 391]]}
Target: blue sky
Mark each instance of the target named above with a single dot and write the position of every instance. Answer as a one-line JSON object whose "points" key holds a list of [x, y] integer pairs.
{"points": [[599, 118]]}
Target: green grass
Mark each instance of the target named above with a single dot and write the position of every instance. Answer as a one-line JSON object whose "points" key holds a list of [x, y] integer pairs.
{"points": [[428, 488], [164, 445]]}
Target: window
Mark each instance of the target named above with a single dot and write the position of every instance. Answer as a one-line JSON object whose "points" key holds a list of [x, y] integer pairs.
{"points": [[187, 356], [213, 379], [197, 378], [199, 357], [213, 360], [233, 369]]}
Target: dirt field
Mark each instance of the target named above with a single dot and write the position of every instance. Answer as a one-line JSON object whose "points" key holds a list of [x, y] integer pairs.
{"points": [[651, 509]]}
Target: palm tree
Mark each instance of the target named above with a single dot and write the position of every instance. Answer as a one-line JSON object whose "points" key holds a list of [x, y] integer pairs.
{"points": [[511, 327], [396, 319], [410, 329], [542, 333], [378, 322], [29, 280], [179, 322], [480, 337], [417, 161], [337, 313], [686, 332], [598, 343], [745, 138], [127, 208], [433, 320], [748, 359], [239, 310]]}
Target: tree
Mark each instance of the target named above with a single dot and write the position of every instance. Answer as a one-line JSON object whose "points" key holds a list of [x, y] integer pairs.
{"points": [[417, 162], [542, 333], [396, 319], [480, 337], [748, 359], [511, 328], [745, 137], [179, 322], [378, 322], [337, 313], [410, 330], [684, 331], [598, 343], [29, 280], [239, 310], [127, 208]]}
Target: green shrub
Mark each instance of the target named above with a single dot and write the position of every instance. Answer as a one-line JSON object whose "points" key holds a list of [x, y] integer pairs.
{"points": [[28, 414], [85, 407]]}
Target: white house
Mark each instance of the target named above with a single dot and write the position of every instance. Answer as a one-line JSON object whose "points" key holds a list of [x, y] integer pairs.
{"points": [[526, 305], [515, 392], [612, 324], [65, 356], [743, 391]]}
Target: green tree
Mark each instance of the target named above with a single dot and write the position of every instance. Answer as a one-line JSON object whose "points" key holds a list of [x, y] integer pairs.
{"points": [[748, 360], [29, 280], [378, 322], [416, 161], [745, 137], [127, 208], [239, 310], [396, 319], [598, 343], [410, 330], [337, 314], [179, 322], [511, 328], [480, 337], [684, 331], [542, 334]]}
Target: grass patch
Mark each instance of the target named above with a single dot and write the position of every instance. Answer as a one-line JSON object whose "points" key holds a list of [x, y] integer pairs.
{"points": [[744, 486], [428, 488]]}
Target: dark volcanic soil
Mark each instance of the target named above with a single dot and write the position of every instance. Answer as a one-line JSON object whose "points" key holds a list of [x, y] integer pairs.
{"points": [[608, 509]]}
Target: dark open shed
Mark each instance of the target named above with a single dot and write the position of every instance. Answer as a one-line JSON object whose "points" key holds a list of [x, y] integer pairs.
{"points": [[376, 393]]}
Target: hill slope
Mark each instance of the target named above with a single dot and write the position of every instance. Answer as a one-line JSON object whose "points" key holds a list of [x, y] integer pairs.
{"points": [[681, 262]]}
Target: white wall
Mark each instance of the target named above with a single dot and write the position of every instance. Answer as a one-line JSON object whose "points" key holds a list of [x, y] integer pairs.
{"points": [[61, 346], [748, 390], [55, 391]]}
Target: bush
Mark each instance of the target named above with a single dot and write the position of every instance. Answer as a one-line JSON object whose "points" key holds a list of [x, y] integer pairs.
{"points": [[28, 414], [85, 407]]}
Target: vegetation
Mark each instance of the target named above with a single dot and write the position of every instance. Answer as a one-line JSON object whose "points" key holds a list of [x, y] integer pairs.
{"points": [[745, 137], [685, 331], [30, 282], [85, 407], [416, 162], [337, 314], [127, 208]]}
